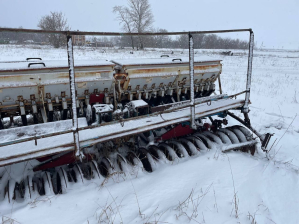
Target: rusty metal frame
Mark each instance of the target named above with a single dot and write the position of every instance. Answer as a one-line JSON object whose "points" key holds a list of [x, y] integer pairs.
{"points": [[181, 105], [249, 72], [70, 54], [69, 35], [118, 33], [191, 69], [64, 147]]}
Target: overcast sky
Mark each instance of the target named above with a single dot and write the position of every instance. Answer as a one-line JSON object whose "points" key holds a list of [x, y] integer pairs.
{"points": [[271, 20]]}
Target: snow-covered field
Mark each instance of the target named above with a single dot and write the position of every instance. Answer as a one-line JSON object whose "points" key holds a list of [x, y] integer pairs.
{"points": [[210, 187]]}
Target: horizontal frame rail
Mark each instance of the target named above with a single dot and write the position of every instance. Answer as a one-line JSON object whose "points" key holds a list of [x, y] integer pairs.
{"points": [[180, 105], [119, 33]]}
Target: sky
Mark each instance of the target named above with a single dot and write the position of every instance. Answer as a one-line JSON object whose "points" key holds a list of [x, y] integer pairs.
{"points": [[274, 22]]}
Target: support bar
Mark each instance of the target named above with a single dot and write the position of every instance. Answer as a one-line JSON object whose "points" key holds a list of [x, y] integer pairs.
{"points": [[117, 33], [249, 72], [191, 70], [231, 147], [73, 93]]}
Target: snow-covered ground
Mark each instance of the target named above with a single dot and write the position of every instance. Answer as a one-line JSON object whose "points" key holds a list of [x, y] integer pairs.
{"points": [[210, 187]]}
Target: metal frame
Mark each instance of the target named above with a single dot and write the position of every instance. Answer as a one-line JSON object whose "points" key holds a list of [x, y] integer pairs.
{"points": [[177, 106], [191, 69], [69, 35], [249, 72], [73, 93], [97, 134]]}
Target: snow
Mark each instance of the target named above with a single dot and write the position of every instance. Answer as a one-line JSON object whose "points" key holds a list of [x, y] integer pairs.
{"points": [[103, 108], [266, 187], [73, 94], [138, 103], [38, 129], [159, 194], [20, 65], [160, 61]]}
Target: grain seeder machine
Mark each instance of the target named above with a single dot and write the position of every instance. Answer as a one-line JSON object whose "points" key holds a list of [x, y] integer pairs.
{"points": [[64, 123]]}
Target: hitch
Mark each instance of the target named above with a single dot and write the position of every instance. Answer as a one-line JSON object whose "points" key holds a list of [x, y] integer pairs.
{"points": [[265, 142]]}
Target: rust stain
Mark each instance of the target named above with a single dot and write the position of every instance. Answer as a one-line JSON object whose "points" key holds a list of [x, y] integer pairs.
{"points": [[173, 70], [82, 85], [151, 70], [121, 77], [149, 80], [50, 69], [11, 77], [63, 75], [206, 67], [24, 76]]}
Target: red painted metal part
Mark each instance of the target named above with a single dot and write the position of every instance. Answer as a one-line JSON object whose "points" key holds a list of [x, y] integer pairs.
{"points": [[59, 161], [96, 98], [42, 159], [62, 160], [178, 131], [206, 127]]}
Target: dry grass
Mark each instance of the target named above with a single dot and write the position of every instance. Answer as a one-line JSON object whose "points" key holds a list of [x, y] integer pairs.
{"points": [[38, 200], [193, 201], [235, 197], [115, 176], [108, 213], [8, 220]]}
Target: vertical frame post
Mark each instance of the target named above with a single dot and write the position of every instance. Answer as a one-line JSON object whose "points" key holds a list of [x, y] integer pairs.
{"points": [[249, 72], [219, 84], [73, 93], [191, 70]]}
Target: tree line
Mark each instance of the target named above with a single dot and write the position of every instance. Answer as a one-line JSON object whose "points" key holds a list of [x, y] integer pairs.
{"points": [[54, 21], [18, 38], [136, 17], [201, 41]]}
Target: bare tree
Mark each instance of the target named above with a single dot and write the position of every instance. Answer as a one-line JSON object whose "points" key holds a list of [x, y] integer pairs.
{"points": [[124, 20], [139, 16], [55, 21]]}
